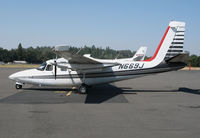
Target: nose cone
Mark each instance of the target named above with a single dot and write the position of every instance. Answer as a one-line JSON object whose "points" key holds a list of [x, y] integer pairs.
{"points": [[12, 76], [16, 76], [19, 76]]}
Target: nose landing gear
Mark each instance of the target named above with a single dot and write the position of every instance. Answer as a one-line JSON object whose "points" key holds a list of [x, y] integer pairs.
{"points": [[18, 86]]}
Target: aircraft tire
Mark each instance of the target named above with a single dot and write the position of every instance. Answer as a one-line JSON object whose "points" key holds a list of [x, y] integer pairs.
{"points": [[17, 86], [83, 89]]}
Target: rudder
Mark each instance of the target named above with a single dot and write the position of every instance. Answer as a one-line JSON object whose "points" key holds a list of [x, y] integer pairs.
{"points": [[176, 46]]}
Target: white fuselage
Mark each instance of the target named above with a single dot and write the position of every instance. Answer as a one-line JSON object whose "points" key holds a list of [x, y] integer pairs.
{"points": [[68, 77]]}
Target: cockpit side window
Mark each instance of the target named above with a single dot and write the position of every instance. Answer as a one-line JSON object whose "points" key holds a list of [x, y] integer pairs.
{"points": [[42, 66], [63, 69], [49, 68]]}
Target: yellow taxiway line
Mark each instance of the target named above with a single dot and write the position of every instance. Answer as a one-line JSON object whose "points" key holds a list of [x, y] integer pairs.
{"points": [[69, 93]]}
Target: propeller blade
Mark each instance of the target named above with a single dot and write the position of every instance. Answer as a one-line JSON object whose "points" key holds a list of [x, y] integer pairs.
{"points": [[55, 70]]}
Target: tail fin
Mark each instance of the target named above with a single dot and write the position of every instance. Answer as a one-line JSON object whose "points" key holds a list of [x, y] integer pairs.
{"points": [[171, 43], [140, 54]]}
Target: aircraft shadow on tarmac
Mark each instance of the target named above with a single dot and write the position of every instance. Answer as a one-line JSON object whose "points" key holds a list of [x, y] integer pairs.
{"points": [[100, 94], [38, 95], [188, 90]]}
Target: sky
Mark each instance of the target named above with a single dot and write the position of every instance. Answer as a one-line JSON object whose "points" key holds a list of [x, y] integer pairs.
{"points": [[119, 24]]}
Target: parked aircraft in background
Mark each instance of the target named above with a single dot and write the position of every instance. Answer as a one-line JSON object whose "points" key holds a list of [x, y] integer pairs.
{"points": [[138, 56], [83, 71]]}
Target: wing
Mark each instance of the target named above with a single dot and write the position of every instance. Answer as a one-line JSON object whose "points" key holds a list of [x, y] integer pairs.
{"points": [[63, 51]]}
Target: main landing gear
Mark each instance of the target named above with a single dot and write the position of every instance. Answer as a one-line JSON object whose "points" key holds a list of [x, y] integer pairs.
{"points": [[83, 88]]}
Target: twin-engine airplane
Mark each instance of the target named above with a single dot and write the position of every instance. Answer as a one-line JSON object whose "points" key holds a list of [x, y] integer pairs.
{"points": [[83, 71]]}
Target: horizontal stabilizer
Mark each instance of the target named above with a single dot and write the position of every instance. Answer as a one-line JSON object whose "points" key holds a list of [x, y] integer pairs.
{"points": [[183, 58]]}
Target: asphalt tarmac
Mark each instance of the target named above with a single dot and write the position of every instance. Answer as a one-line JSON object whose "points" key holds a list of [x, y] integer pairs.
{"points": [[161, 105]]}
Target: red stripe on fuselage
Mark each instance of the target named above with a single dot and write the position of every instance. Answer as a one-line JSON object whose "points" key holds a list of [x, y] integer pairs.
{"points": [[155, 54]]}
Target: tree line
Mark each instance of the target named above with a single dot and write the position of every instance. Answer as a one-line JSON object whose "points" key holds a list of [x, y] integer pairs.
{"points": [[31, 55], [40, 54], [194, 61]]}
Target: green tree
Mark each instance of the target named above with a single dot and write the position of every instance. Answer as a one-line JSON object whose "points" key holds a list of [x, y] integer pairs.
{"points": [[19, 52], [194, 61]]}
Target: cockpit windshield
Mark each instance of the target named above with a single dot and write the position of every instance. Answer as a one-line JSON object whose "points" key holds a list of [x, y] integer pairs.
{"points": [[42, 66]]}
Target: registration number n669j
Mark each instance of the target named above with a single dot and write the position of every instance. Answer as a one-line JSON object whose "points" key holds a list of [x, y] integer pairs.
{"points": [[131, 66]]}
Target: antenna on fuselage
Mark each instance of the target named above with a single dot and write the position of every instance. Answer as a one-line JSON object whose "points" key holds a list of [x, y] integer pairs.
{"points": [[79, 51], [117, 55]]}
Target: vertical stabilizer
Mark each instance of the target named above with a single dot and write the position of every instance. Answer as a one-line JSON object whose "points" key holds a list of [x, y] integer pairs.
{"points": [[172, 42], [140, 54]]}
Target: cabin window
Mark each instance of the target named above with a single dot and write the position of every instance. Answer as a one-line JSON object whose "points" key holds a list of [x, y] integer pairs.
{"points": [[42, 66], [49, 68], [63, 69]]}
